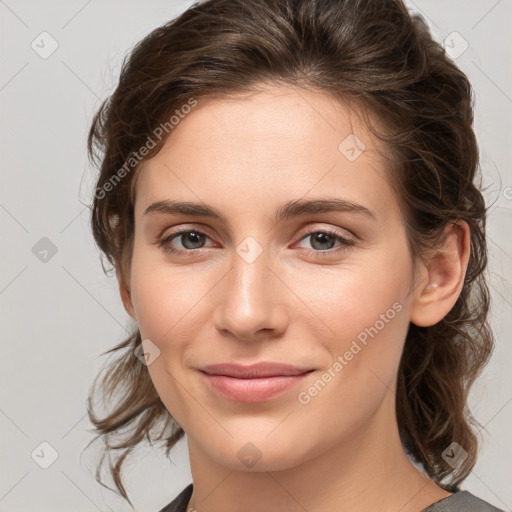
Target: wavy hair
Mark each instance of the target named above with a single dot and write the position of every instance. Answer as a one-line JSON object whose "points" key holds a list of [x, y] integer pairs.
{"points": [[375, 55]]}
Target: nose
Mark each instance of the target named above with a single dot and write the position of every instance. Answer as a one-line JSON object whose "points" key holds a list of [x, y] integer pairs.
{"points": [[251, 300]]}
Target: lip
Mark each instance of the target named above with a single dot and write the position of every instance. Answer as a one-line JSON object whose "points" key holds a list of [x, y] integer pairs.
{"points": [[254, 383], [256, 370]]}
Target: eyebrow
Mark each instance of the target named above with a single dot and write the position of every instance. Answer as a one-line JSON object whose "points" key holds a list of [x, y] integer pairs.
{"points": [[290, 209]]}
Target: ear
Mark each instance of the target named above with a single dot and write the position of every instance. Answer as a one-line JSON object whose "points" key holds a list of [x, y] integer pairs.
{"points": [[125, 293], [441, 280]]}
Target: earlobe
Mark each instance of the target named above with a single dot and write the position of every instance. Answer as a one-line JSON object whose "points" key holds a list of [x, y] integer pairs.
{"points": [[438, 291]]}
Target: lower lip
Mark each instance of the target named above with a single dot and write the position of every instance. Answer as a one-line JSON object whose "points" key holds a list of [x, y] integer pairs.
{"points": [[252, 390]]}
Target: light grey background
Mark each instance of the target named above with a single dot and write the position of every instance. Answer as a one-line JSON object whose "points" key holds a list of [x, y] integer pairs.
{"points": [[59, 315]]}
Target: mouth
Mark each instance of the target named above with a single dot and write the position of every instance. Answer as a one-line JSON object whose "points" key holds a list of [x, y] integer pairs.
{"points": [[254, 371], [254, 383]]}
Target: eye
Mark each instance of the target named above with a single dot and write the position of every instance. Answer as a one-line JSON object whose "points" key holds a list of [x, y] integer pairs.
{"points": [[323, 240], [190, 239]]}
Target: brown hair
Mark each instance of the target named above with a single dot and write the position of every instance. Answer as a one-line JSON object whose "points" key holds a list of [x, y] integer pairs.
{"points": [[375, 54]]}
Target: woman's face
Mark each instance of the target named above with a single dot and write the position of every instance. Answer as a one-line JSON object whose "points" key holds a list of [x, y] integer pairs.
{"points": [[270, 281]]}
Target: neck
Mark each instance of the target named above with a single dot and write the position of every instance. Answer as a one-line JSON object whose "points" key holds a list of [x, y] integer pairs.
{"points": [[368, 471]]}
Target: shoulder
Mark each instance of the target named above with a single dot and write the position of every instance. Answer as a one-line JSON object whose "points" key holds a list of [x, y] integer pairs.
{"points": [[462, 501], [459, 501], [179, 503]]}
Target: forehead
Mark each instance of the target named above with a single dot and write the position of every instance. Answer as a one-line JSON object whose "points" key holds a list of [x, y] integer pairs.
{"points": [[265, 148]]}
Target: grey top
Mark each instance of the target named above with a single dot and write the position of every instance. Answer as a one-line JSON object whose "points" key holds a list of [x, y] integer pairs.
{"points": [[459, 501]]}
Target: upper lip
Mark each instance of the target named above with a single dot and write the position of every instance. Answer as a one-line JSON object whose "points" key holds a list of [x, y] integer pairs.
{"points": [[257, 370]]}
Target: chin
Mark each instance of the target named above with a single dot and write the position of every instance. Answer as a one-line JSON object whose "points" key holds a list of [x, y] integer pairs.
{"points": [[259, 454]]}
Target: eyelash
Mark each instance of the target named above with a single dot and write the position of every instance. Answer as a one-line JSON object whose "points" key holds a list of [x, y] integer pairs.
{"points": [[347, 243]]}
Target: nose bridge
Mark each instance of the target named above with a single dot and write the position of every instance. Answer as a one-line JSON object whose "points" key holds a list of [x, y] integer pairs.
{"points": [[251, 276]]}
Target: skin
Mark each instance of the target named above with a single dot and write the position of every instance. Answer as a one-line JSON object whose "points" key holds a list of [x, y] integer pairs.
{"points": [[247, 156]]}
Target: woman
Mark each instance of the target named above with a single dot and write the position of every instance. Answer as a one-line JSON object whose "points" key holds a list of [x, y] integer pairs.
{"points": [[287, 193]]}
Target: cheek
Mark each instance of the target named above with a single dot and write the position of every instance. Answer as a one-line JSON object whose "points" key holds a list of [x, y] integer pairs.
{"points": [[167, 300], [351, 297], [360, 313], [369, 324], [160, 307], [164, 301], [154, 297]]}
